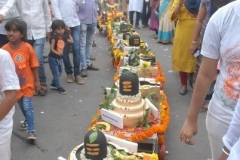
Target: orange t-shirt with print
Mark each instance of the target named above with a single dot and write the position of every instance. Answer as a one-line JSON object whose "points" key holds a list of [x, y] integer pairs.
{"points": [[25, 60]]}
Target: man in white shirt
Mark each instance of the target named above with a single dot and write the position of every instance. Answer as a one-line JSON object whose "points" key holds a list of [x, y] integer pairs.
{"points": [[9, 84], [6, 12], [135, 6], [231, 139], [220, 44], [36, 13], [66, 10]]}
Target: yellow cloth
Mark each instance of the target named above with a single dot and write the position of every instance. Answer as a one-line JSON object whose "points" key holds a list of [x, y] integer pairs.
{"points": [[182, 59]]}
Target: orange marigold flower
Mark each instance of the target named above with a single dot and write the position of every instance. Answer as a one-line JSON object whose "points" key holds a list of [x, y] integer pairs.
{"points": [[115, 78]]}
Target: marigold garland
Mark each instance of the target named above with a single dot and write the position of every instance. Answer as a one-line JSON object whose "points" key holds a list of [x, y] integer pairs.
{"points": [[148, 132], [165, 112]]}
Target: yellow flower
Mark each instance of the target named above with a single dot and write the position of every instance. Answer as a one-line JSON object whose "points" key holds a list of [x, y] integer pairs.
{"points": [[145, 64]]}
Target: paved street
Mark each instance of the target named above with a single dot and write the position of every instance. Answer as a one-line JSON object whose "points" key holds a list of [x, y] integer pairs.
{"points": [[62, 120]]}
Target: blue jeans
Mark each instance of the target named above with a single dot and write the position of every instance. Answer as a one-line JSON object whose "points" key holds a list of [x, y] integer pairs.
{"points": [[26, 106], [56, 68], [38, 45], [87, 32], [75, 31]]}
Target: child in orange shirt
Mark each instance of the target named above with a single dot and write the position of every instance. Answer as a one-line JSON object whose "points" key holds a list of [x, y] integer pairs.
{"points": [[26, 64]]}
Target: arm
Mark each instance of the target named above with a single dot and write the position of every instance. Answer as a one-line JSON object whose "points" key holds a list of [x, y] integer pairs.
{"points": [[233, 134], [70, 39], [47, 17], [56, 10], [4, 10], [176, 9], [8, 102], [200, 17], [36, 77], [211, 54], [206, 76], [9, 84], [52, 47]]}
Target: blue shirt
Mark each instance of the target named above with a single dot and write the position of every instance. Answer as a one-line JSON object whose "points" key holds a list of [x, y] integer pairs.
{"points": [[87, 12]]}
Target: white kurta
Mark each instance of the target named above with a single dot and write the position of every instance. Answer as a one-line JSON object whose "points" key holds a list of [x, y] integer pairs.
{"points": [[135, 5]]}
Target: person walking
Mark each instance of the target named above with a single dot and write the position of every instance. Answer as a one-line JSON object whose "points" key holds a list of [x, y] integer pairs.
{"points": [[146, 13], [26, 63], [7, 11], [166, 27], [59, 37], [185, 12], [202, 19], [70, 16], [154, 20], [38, 18], [220, 43], [9, 85], [135, 6], [88, 14]]}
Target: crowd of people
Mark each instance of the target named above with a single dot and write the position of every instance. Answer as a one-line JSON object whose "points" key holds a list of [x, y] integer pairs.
{"points": [[193, 26]]}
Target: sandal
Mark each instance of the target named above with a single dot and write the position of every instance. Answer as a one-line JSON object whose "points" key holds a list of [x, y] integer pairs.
{"points": [[43, 89], [183, 91]]}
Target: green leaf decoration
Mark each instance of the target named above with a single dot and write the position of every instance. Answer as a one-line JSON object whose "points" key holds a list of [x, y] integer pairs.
{"points": [[132, 56], [104, 90], [155, 99], [145, 121], [108, 99], [131, 51], [93, 137], [111, 97], [123, 152]]}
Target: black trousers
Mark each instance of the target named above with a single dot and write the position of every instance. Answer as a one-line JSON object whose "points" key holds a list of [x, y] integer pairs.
{"points": [[146, 13], [138, 14]]}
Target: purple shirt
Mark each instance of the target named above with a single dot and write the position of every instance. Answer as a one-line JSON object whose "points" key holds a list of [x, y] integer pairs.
{"points": [[88, 12]]}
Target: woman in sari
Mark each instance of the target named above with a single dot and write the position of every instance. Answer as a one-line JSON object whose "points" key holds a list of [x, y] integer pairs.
{"points": [[166, 27]]}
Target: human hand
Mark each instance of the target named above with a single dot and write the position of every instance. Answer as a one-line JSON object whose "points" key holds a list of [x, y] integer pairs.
{"points": [[181, 2], [188, 130], [1, 18], [48, 34], [193, 47], [223, 156], [37, 86], [68, 30]]}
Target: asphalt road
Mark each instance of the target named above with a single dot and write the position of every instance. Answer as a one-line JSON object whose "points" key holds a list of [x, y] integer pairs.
{"points": [[62, 120]]}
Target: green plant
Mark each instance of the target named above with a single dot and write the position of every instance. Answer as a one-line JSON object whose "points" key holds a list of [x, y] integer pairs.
{"points": [[108, 98], [134, 59], [155, 99], [93, 136]]}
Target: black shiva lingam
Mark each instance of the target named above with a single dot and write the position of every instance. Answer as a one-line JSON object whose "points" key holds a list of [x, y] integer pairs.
{"points": [[95, 145]]}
